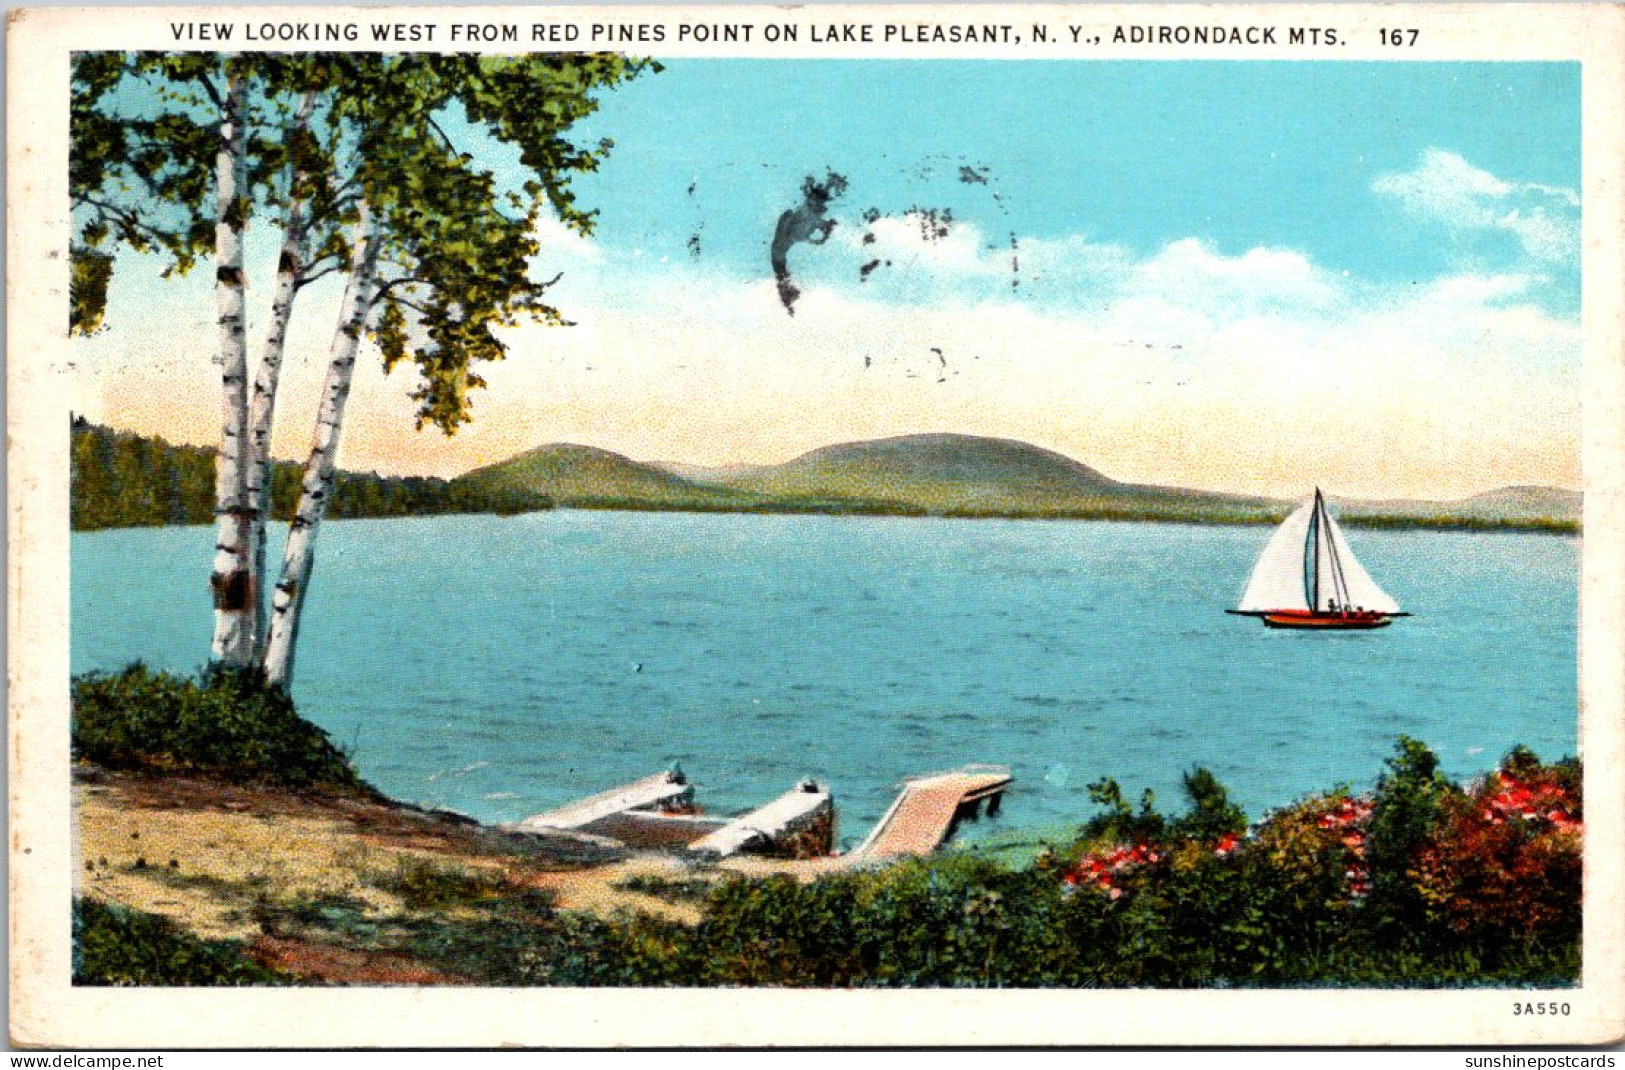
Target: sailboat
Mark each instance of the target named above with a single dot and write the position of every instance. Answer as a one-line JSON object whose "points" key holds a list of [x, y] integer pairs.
{"points": [[1307, 577]]}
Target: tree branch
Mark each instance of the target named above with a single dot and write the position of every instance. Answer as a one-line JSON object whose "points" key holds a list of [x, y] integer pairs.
{"points": [[127, 219], [384, 289], [306, 278], [444, 137], [213, 93]]}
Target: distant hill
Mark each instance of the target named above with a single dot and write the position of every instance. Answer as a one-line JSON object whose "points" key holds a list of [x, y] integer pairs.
{"points": [[119, 480], [706, 473], [968, 475], [942, 469], [122, 480], [1506, 505], [964, 475], [588, 476]]}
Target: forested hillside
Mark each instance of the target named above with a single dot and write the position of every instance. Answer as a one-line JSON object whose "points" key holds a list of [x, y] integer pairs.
{"points": [[125, 480]]}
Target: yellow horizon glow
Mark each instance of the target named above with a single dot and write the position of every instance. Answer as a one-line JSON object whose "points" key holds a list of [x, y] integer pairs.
{"points": [[1422, 441]]}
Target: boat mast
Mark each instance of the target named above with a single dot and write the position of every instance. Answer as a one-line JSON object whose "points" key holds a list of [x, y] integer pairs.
{"points": [[1340, 583], [1312, 557]]}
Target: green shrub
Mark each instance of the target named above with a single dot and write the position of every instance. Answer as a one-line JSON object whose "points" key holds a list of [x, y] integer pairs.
{"points": [[116, 946], [231, 724], [672, 890], [426, 885], [1483, 888], [1410, 799]]}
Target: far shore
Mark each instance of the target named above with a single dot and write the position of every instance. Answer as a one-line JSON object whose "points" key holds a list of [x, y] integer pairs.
{"points": [[1535, 526]]}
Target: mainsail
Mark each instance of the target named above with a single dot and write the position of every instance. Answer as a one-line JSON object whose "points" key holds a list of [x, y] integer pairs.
{"points": [[1278, 578], [1308, 566]]}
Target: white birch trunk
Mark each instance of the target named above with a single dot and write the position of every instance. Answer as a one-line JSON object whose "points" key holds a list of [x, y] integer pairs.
{"points": [[232, 580], [299, 556], [262, 403]]}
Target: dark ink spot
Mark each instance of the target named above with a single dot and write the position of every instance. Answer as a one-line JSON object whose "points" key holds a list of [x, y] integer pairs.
{"points": [[694, 245], [863, 272], [934, 222], [808, 223], [973, 176]]}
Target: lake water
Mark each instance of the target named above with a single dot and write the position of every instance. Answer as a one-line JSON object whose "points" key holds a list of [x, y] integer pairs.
{"points": [[503, 666]]}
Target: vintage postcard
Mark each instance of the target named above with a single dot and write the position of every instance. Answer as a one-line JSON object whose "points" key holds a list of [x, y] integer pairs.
{"points": [[833, 525]]}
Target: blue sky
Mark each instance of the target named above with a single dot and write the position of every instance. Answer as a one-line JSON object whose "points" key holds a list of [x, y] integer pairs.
{"points": [[1239, 155], [1245, 276]]}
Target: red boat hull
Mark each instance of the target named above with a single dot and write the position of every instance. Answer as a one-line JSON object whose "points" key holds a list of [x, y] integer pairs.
{"points": [[1302, 618]]}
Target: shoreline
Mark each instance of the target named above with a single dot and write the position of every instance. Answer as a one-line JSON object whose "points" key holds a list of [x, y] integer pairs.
{"points": [[1372, 523], [282, 871]]}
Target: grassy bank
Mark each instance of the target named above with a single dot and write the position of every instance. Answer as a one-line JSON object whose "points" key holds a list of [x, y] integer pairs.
{"points": [[1422, 882]]}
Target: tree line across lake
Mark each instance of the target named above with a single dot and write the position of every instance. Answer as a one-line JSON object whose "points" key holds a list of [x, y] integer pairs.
{"points": [[121, 480]]}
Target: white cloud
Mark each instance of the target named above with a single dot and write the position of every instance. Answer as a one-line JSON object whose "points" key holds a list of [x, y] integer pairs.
{"points": [[559, 243], [1446, 189], [1258, 371]]}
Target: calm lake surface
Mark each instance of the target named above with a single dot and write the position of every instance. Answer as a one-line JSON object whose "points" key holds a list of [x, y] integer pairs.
{"points": [[503, 666]]}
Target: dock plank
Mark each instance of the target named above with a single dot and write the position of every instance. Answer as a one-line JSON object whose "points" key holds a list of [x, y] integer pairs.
{"points": [[640, 794], [765, 823], [924, 813]]}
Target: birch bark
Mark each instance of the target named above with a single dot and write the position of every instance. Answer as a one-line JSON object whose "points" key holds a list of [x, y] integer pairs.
{"points": [[262, 403], [232, 579], [299, 556]]}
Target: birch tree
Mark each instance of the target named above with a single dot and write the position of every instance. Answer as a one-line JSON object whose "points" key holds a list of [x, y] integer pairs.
{"points": [[436, 254], [233, 580], [440, 255], [144, 179], [304, 166]]}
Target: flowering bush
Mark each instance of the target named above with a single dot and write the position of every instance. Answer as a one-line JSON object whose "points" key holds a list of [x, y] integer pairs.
{"points": [[1416, 875], [1504, 863], [1103, 869], [1319, 848]]}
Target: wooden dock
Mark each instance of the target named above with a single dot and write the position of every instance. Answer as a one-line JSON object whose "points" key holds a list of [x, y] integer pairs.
{"points": [[663, 791], [929, 808], [798, 824]]}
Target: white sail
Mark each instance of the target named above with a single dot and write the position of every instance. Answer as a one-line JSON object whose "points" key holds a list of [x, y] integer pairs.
{"points": [[1322, 565], [1358, 589], [1277, 581]]}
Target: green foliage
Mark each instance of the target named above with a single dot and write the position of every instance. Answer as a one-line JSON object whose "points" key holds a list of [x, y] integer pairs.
{"points": [[427, 885], [1284, 905], [1409, 802], [125, 480], [331, 133], [228, 725], [673, 890], [116, 946], [1120, 824], [138, 180], [1211, 813]]}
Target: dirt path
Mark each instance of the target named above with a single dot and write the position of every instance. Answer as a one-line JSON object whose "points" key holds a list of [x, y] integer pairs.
{"points": [[266, 866]]}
